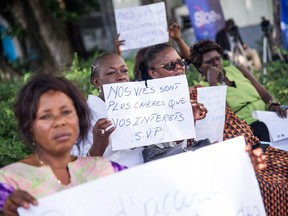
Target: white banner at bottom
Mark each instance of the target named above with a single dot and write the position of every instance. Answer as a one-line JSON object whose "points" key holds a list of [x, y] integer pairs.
{"points": [[214, 180]]}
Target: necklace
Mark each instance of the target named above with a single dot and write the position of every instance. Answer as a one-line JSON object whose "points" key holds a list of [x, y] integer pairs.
{"points": [[43, 164], [39, 160]]}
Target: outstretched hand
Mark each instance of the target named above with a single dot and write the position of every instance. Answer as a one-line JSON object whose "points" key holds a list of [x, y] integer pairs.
{"points": [[16, 199]]}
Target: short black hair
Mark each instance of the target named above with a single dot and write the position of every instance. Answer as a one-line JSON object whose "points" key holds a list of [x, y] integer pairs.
{"points": [[198, 49]]}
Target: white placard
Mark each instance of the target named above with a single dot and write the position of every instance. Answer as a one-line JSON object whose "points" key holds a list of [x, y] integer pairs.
{"points": [[214, 180], [142, 26], [212, 126], [160, 112], [278, 128]]}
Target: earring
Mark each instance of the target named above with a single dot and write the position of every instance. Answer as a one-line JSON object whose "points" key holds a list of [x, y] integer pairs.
{"points": [[99, 90]]}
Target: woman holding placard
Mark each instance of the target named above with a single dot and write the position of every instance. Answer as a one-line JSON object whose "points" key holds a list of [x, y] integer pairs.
{"points": [[107, 68]]}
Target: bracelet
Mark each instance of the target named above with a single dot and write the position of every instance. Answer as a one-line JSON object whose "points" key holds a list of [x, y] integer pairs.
{"points": [[271, 103]]}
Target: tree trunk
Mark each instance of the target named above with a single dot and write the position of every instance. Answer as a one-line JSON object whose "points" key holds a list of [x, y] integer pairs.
{"points": [[44, 32], [109, 25], [31, 40], [53, 34], [277, 21]]}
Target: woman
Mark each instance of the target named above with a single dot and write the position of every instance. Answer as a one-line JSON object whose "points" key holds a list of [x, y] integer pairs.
{"points": [[163, 61], [107, 68], [244, 93], [52, 116]]}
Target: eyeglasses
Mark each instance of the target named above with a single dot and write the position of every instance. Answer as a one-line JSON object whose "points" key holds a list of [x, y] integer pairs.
{"points": [[171, 65], [212, 60]]}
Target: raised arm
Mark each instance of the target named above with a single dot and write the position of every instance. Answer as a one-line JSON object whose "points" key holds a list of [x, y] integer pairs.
{"points": [[174, 33], [118, 43]]}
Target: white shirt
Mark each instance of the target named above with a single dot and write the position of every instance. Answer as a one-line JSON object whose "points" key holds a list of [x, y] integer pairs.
{"points": [[125, 157]]}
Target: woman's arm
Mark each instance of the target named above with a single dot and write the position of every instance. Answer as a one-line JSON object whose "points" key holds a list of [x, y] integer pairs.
{"points": [[118, 44], [174, 33], [272, 103]]}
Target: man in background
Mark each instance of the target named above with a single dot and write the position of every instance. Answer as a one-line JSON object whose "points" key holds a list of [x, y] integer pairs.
{"points": [[230, 40]]}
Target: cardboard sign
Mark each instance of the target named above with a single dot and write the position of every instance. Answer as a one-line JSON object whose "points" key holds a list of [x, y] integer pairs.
{"points": [[156, 113], [214, 180], [142, 26]]}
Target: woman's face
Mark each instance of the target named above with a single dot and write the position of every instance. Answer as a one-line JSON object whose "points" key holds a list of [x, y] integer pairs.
{"points": [[56, 127], [113, 69], [167, 63], [211, 59]]}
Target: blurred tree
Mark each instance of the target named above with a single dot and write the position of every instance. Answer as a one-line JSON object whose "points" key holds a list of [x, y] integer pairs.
{"points": [[47, 30], [42, 29]]}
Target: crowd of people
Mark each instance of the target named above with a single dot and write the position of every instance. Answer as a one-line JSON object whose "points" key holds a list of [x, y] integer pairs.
{"points": [[70, 137]]}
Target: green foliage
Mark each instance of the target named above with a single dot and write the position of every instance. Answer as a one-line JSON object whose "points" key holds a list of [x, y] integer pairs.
{"points": [[130, 65], [276, 80], [72, 10], [193, 76], [79, 73], [11, 148]]}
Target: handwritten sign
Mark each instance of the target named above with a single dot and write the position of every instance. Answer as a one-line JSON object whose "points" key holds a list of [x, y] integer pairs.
{"points": [[160, 112], [214, 180], [212, 126], [142, 26]]}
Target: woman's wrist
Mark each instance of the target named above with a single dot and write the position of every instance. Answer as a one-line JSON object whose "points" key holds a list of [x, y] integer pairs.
{"points": [[272, 103]]}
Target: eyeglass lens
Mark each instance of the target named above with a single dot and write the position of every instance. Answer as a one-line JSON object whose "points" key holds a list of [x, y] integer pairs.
{"points": [[172, 65]]}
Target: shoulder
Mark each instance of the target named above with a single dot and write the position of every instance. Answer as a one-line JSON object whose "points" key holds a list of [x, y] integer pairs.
{"points": [[232, 70], [100, 163], [18, 170], [97, 107], [94, 100], [11, 167]]}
